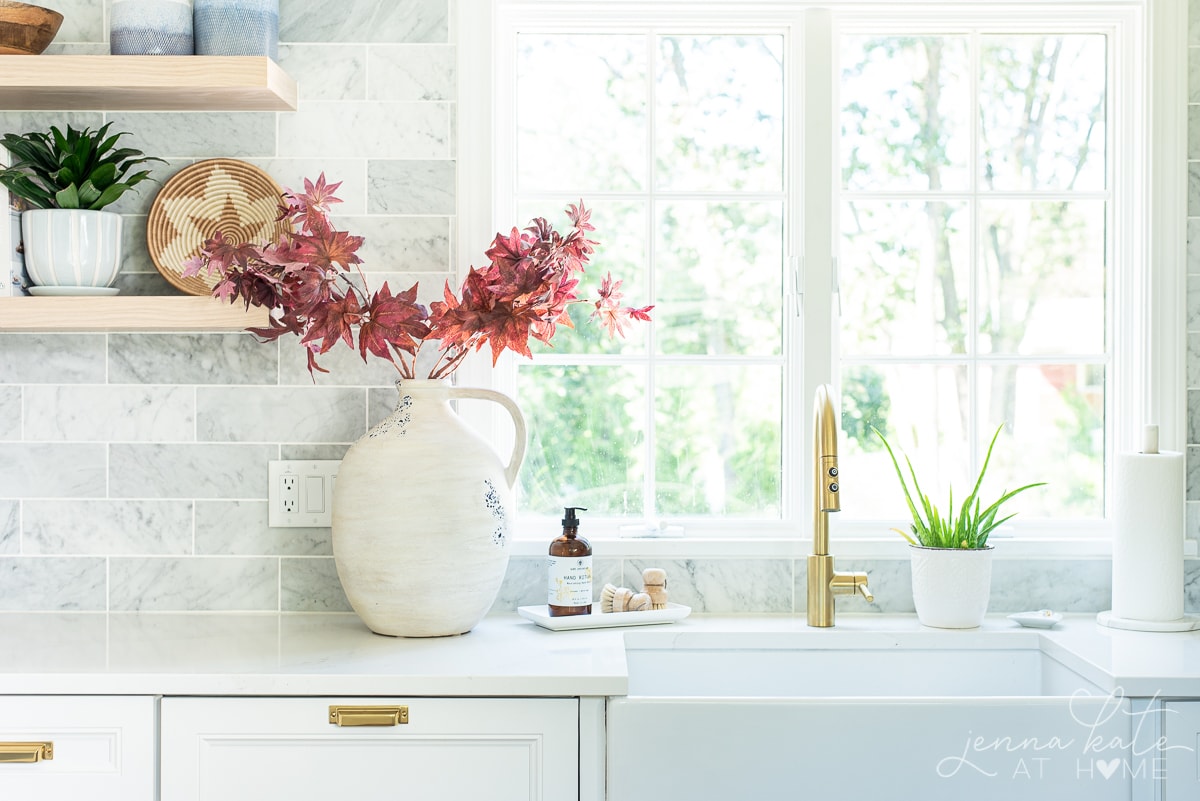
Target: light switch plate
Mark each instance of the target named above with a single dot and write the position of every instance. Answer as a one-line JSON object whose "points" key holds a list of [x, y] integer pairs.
{"points": [[300, 493]]}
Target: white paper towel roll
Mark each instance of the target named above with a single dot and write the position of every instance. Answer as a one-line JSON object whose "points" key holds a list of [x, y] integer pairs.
{"points": [[1148, 517]]}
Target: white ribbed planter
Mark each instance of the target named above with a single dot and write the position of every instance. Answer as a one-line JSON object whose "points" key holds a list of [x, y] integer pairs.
{"points": [[951, 585], [71, 247], [420, 515]]}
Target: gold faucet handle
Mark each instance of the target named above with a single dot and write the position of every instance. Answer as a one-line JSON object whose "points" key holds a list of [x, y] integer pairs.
{"points": [[850, 583], [865, 591]]}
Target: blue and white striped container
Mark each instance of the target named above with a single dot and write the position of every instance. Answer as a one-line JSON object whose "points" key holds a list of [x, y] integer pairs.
{"points": [[237, 28], [150, 28]]}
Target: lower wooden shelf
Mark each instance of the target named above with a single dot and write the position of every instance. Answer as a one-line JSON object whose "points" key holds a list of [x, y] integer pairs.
{"points": [[131, 313]]}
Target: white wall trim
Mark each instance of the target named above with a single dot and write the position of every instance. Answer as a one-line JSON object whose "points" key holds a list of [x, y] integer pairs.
{"points": [[1165, 86]]}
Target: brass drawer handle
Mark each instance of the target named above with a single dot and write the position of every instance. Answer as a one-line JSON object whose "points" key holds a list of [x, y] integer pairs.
{"points": [[26, 752], [368, 715]]}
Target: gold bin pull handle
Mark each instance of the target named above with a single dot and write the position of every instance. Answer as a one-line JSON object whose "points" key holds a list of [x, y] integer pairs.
{"points": [[26, 752], [368, 715]]}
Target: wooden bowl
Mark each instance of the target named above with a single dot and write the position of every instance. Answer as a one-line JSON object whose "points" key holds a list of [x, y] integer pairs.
{"points": [[25, 29]]}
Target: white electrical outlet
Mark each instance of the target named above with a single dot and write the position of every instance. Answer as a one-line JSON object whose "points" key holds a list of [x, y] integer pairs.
{"points": [[300, 493]]}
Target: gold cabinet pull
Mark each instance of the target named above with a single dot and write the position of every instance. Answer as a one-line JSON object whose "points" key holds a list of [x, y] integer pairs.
{"points": [[26, 752], [368, 715]]}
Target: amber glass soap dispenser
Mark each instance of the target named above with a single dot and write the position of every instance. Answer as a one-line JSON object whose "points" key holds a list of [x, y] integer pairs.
{"points": [[569, 577]]}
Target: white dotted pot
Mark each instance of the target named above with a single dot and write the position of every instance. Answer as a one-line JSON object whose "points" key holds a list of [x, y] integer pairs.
{"points": [[951, 585], [420, 515], [71, 247]]}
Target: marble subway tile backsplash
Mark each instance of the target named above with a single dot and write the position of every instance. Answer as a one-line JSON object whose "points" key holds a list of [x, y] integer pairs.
{"points": [[65, 413], [107, 527], [364, 21]]}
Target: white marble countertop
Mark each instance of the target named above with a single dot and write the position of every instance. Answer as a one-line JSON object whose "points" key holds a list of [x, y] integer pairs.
{"points": [[335, 654]]}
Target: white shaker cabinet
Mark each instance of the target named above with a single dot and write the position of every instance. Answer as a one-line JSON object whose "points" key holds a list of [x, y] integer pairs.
{"points": [[62, 748], [441, 749], [1177, 757]]}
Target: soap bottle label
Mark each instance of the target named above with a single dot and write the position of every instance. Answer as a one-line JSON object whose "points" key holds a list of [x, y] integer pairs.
{"points": [[570, 581]]}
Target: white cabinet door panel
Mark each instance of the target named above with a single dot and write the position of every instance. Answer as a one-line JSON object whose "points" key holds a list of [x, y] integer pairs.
{"points": [[103, 748], [285, 749], [1180, 768]]}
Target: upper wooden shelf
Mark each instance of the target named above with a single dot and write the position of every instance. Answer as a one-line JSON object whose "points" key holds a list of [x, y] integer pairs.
{"points": [[130, 313], [145, 83]]}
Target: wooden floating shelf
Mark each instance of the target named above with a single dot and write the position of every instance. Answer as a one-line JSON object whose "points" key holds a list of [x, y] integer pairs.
{"points": [[145, 83], [131, 313]]}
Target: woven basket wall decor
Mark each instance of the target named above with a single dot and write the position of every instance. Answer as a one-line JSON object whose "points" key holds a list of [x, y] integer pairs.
{"points": [[233, 197]]}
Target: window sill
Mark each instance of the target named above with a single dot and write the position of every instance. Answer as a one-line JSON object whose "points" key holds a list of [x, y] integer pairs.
{"points": [[858, 548]]}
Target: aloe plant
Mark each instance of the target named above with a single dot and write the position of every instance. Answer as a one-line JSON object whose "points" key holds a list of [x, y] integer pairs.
{"points": [[970, 529], [77, 170]]}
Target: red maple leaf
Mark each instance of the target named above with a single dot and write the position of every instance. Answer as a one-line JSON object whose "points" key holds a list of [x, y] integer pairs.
{"points": [[333, 320], [392, 321], [330, 248], [507, 249]]}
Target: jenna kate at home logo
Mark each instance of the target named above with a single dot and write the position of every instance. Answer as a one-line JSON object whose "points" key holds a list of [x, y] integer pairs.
{"points": [[1104, 738]]}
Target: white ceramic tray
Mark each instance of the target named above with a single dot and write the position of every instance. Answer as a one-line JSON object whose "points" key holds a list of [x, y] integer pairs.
{"points": [[541, 616], [1041, 619]]}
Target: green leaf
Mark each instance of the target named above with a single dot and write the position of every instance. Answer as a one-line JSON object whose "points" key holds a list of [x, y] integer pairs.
{"points": [[67, 197], [88, 194], [21, 186], [103, 176], [972, 526]]}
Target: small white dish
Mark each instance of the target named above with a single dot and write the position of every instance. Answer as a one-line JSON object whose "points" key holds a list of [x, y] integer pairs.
{"points": [[68, 291], [541, 616], [1041, 619]]}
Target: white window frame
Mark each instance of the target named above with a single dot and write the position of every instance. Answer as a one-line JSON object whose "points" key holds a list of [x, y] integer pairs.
{"points": [[1147, 77]]}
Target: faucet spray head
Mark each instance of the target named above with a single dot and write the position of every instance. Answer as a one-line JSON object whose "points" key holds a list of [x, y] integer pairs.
{"points": [[825, 447]]}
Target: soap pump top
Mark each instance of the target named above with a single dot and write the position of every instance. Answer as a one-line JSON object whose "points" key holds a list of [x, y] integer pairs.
{"points": [[570, 522]]}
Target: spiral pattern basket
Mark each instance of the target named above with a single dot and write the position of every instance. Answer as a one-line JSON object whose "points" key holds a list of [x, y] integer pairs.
{"points": [[233, 197]]}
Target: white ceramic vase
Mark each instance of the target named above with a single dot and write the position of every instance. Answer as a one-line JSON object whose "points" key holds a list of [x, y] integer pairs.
{"points": [[71, 247], [420, 515], [951, 585]]}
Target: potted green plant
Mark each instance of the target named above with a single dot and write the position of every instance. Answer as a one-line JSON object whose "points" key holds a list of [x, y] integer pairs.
{"points": [[71, 245], [951, 558]]}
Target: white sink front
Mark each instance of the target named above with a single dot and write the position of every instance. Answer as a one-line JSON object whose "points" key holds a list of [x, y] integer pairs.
{"points": [[823, 664], [820, 714]]}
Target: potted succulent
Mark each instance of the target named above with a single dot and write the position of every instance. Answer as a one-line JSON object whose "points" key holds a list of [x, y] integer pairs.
{"points": [[420, 521], [66, 180], [951, 558]]}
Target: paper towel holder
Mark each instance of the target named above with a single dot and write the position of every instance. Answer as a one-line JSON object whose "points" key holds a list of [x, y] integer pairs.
{"points": [[1162, 552], [1185, 623]]}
